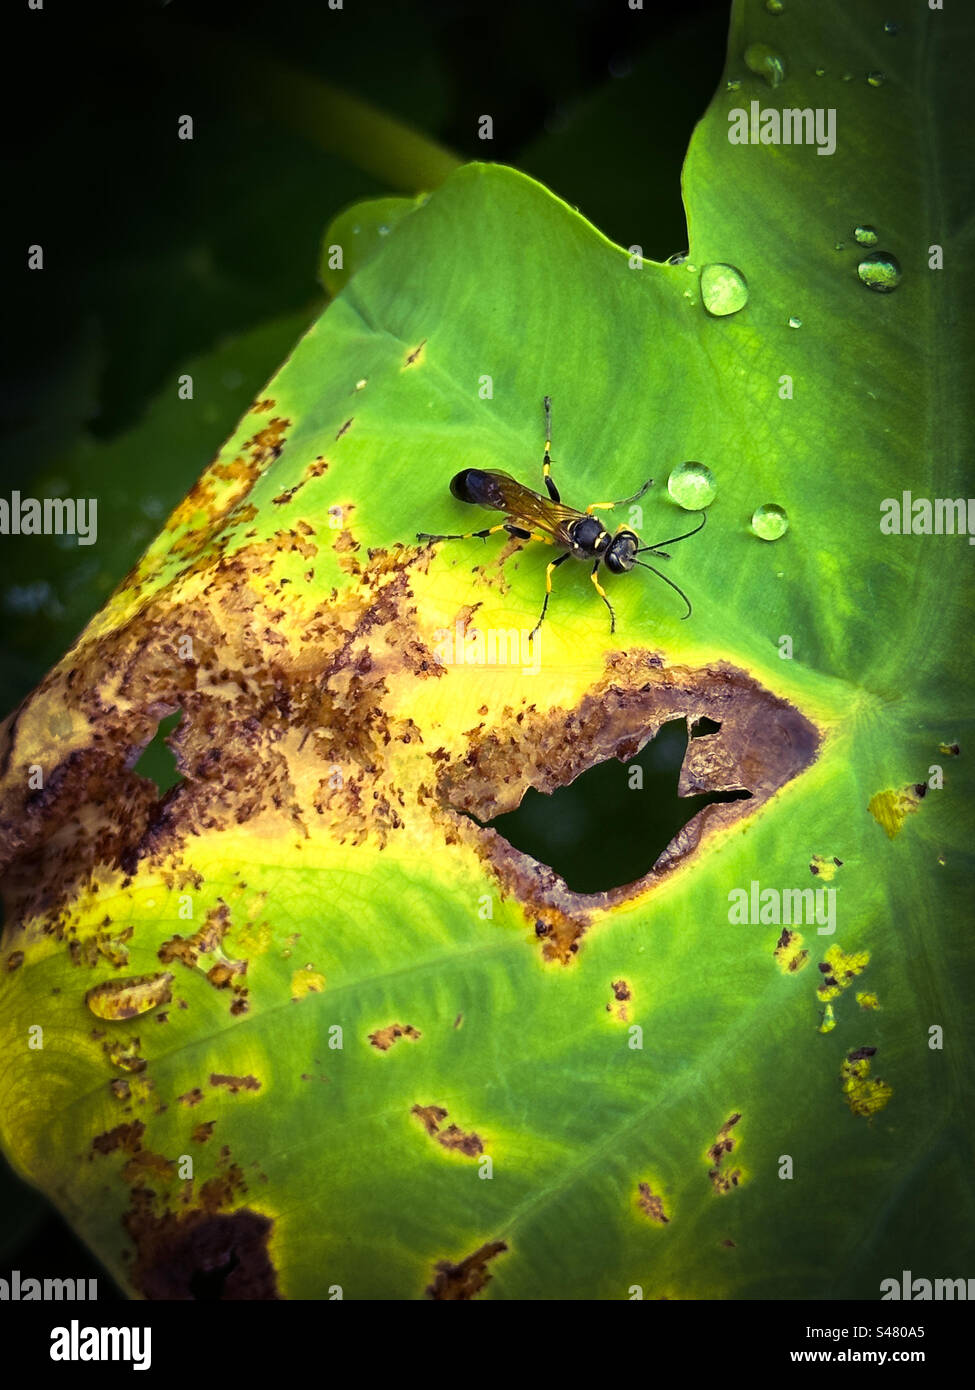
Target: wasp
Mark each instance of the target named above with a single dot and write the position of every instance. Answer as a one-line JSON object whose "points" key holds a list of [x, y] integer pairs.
{"points": [[530, 516]]}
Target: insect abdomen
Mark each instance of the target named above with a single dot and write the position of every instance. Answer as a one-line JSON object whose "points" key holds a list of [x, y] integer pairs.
{"points": [[476, 486]]}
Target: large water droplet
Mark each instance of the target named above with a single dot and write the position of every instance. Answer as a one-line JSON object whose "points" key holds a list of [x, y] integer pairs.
{"points": [[775, 6], [764, 61], [692, 486], [880, 272], [795, 322], [865, 234], [876, 79], [724, 289], [769, 521]]}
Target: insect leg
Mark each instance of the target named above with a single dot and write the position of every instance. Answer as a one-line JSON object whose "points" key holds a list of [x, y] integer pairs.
{"points": [[601, 506], [553, 491], [468, 535], [602, 594], [548, 591]]}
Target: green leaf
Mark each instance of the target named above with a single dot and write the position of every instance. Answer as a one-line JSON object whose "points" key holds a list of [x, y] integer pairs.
{"points": [[373, 994]]}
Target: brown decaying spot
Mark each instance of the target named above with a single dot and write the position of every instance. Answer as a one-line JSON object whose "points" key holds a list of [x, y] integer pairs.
{"points": [[723, 1179], [249, 699], [464, 1280], [199, 1254], [125, 1137], [786, 952], [191, 1097], [621, 997], [235, 1083], [383, 1038], [432, 1117], [651, 1205]]}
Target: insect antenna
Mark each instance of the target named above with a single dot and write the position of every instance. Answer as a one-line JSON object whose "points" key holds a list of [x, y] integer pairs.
{"points": [[643, 565], [673, 539]]}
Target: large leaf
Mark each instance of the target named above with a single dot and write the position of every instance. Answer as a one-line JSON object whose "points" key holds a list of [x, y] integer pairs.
{"points": [[374, 992]]}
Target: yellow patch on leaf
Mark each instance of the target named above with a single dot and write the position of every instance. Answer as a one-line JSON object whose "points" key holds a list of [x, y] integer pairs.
{"points": [[304, 982], [864, 1095], [890, 809]]}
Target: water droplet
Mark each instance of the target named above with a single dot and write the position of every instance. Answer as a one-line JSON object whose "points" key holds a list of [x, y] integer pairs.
{"points": [[876, 79], [891, 27], [383, 230], [880, 272], [733, 84], [724, 290], [839, 246], [763, 60], [692, 486], [865, 234], [795, 322], [774, 6], [819, 72], [678, 258], [848, 77], [769, 522]]}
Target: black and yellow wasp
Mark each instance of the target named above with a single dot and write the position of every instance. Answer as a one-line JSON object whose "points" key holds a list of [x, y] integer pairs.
{"points": [[582, 536]]}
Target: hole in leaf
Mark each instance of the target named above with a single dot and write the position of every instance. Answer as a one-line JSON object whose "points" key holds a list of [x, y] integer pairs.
{"points": [[704, 726], [609, 826], [157, 760], [207, 1285]]}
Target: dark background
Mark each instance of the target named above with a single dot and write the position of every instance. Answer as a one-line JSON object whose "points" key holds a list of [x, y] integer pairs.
{"points": [[163, 256]]}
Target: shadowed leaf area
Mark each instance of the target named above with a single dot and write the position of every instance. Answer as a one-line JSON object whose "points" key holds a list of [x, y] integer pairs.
{"points": [[304, 1021]]}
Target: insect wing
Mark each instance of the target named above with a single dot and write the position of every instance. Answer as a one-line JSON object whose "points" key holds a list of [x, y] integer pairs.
{"points": [[522, 504]]}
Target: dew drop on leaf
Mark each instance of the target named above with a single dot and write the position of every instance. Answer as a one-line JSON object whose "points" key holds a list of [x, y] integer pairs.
{"points": [[770, 521], [876, 79], [724, 289], [795, 322], [880, 272], [865, 235], [766, 62], [692, 486]]}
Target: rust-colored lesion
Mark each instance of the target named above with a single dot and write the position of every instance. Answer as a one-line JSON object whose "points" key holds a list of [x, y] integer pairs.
{"points": [[651, 1204], [451, 1136], [467, 1278], [384, 1038], [619, 1004], [723, 1176]]}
